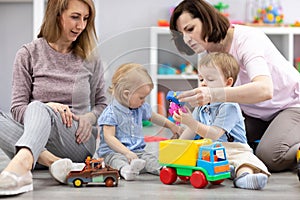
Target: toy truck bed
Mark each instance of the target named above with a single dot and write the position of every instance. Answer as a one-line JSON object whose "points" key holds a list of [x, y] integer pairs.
{"points": [[180, 152]]}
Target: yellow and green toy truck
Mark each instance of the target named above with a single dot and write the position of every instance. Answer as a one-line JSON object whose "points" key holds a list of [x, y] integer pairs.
{"points": [[197, 161]]}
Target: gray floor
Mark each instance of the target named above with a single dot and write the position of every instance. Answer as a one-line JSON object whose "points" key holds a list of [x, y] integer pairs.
{"points": [[280, 186]]}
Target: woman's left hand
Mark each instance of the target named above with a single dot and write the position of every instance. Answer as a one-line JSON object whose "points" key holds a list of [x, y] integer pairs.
{"points": [[84, 130], [196, 97]]}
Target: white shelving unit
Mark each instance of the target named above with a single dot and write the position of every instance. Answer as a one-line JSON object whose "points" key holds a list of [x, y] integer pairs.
{"points": [[286, 39], [163, 51]]}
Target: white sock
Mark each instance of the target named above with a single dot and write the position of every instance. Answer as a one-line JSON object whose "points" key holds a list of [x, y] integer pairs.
{"points": [[251, 181], [129, 172], [137, 165]]}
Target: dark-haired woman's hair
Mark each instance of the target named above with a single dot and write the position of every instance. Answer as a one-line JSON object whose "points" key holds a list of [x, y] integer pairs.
{"points": [[214, 24]]}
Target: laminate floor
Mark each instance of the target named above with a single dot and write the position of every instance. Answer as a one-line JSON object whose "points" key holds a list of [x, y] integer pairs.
{"points": [[284, 185]]}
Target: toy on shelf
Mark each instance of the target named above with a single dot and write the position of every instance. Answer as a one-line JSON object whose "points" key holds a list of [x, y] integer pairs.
{"points": [[163, 22], [161, 103], [221, 7], [197, 161], [184, 68], [95, 172], [175, 105], [297, 62], [166, 69], [296, 24], [269, 13], [187, 68]]}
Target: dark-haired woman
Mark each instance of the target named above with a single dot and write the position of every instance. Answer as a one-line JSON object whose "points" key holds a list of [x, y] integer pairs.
{"points": [[267, 87]]}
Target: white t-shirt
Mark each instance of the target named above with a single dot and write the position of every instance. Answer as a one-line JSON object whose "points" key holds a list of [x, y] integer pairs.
{"points": [[257, 55]]}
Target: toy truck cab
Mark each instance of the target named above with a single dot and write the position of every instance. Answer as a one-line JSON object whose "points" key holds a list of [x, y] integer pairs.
{"points": [[95, 172], [213, 159], [197, 161]]}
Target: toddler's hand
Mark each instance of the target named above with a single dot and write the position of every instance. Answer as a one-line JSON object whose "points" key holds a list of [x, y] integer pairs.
{"points": [[130, 156], [177, 131], [183, 117], [175, 136]]}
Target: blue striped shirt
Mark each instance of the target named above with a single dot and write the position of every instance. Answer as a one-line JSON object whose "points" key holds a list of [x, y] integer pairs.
{"points": [[227, 116], [128, 123]]}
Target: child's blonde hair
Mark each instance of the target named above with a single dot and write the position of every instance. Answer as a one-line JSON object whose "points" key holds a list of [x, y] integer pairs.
{"points": [[224, 61], [129, 76]]}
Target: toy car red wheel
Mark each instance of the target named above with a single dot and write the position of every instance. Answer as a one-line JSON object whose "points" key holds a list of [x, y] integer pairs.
{"points": [[198, 179], [77, 182], [218, 182], [109, 182], [184, 178], [168, 175]]}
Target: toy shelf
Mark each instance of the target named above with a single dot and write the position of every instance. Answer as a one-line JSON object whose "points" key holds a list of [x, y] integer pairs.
{"points": [[178, 77], [163, 51]]}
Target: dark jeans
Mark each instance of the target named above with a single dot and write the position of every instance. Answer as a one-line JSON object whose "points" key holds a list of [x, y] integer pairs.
{"points": [[255, 128]]}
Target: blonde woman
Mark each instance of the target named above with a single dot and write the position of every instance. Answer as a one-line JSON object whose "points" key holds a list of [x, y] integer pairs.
{"points": [[57, 96]]}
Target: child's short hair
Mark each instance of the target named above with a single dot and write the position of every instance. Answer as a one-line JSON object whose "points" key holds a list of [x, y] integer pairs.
{"points": [[129, 76], [224, 61]]}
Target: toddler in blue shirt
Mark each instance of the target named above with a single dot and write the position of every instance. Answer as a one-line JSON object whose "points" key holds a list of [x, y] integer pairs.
{"points": [[122, 142], [224, 122]]}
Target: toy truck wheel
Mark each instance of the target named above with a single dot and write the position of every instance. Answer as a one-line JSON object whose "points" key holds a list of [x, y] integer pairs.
{"points": [[218, 182], [77, 182], [109, 182], [168, 176], [198, 179]]}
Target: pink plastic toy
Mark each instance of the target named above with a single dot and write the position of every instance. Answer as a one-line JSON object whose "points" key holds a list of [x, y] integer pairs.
{"points": [[174, 108]]}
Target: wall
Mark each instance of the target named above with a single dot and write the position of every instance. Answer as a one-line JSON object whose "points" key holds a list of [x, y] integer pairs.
{"points": [[16, 29], [116, 19], [121, 25], [124, 30]]}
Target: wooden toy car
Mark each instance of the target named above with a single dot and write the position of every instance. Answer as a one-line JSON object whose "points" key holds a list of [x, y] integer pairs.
{"points": [[95, 172]]}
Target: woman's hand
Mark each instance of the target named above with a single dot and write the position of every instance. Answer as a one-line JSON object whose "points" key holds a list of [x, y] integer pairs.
{"points": [[197, 97], [64, 110], [84, 130]]}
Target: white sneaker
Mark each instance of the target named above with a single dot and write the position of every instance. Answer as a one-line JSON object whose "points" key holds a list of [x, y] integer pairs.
{"points": [[61, 168], [129, 172]]}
